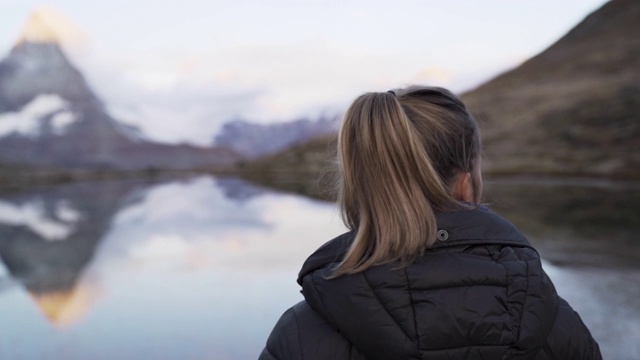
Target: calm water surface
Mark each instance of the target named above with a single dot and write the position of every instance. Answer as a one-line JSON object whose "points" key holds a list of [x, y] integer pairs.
{"points": [[202, 268]]}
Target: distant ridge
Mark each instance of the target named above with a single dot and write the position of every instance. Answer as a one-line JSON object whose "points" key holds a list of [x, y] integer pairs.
{"points": [[256, 140]]}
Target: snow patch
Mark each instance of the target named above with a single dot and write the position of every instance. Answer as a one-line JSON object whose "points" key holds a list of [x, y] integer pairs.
{"points": [[27, 121], [34, 216], [60, 121], [66, 213]]}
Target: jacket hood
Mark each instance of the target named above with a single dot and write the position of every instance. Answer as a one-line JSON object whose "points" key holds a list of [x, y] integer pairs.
{"points": [[469, 295]]}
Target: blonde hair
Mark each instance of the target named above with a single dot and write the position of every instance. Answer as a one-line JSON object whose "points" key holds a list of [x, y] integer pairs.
{"points": [[398, 152]]}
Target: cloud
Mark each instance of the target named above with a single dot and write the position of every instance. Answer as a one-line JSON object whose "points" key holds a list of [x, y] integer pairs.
{"points": [[184, 113], [171, 101], [434, 75], [188, 97]]}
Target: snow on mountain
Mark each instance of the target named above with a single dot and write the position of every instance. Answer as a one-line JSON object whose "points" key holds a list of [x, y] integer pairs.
{"points": [[49, 116], [61, 121], [47, 113]]}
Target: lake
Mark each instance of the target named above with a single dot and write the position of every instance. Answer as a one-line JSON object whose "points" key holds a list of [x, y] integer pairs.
{"points": [[201, 268]]}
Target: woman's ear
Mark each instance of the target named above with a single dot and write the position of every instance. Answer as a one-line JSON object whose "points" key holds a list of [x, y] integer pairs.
{"points": [[463, 188]]}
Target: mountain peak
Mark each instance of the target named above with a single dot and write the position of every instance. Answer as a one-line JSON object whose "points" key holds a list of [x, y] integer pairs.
{"points": [[38, 29], [46, 25]]}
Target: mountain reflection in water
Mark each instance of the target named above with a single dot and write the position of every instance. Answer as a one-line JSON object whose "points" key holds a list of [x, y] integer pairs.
{"points": [[197, 268], [49, 236], [202, 268]]}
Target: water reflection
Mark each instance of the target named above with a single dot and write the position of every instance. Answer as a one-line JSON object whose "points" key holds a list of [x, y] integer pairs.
{"points": [[201, 268], [50, 235], [577, 222]]}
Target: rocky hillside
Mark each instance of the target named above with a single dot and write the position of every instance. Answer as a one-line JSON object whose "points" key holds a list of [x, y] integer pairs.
{"points": [[574, 109]]}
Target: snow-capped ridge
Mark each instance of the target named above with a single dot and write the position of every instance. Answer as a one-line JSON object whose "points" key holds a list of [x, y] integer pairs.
{"points": [[254, 140]]}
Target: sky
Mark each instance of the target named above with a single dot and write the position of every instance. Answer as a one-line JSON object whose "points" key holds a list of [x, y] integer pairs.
{"points": [[181, 69]]}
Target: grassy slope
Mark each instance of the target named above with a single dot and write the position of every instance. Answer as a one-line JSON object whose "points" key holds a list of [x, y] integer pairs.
{"points": [[307, 168], [574, 108]]}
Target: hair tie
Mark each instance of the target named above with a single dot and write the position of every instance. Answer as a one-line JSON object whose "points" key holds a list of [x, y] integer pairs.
{"points": [[392, 92]]}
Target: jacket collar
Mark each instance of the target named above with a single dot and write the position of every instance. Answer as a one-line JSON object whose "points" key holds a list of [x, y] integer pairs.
{"points": [[476, 226]]}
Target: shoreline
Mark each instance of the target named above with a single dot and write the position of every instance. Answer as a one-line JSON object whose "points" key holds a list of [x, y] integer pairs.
{"points": [[16, 178]]}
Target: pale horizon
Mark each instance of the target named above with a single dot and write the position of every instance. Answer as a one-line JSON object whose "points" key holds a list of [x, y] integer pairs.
{"points": [[179, 70]]}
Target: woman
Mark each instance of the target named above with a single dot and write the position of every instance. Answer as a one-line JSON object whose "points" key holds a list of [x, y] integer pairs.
{"points": [[425, 272]]}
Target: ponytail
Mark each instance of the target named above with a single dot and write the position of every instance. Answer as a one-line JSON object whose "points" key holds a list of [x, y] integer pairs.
{"points": [[390, 188]]}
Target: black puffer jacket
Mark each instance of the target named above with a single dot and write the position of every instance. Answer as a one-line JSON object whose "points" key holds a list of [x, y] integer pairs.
{"points": [[479, 294]]}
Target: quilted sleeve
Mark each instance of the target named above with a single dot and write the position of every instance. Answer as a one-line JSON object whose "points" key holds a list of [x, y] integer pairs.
{"points": [[302, 334], [569, 338], [284, 341]]}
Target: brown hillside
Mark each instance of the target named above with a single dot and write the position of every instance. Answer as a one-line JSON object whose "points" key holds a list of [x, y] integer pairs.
{"points": [[306, 168], [572, 109]]}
